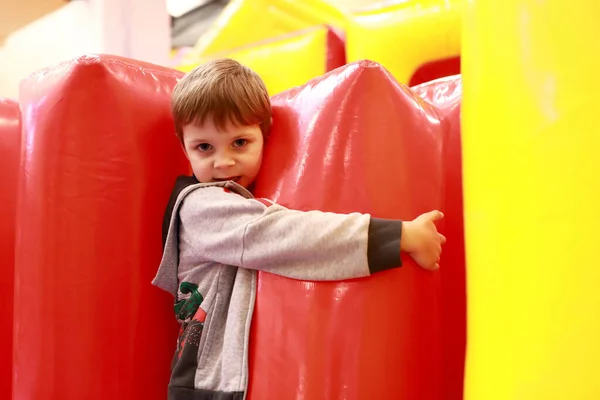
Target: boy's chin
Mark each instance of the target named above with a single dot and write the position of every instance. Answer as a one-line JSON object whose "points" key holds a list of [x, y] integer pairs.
{"points": [[247, 184], [243, 182]]}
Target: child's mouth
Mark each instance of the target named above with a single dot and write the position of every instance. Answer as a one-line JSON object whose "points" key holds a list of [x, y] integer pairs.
{"points": [[231, 178]]}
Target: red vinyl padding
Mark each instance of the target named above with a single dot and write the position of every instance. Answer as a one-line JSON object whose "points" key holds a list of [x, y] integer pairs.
{"points": [[99, 165], [446, 95], [434, 70], [353, 140], [336, 50], [10, 148]]}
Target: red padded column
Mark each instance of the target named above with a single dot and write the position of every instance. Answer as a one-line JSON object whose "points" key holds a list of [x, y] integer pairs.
{"points": [[100, 161], [446, 94], [10, 148], [353, 140], [336, 50]]}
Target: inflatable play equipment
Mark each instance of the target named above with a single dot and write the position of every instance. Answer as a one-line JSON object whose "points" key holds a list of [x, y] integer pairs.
{"points": [[97, 172], [290, 60], [446, 95], [351, 140], [100, 160], [416, 40], [10, 148], [243, 22], [530, 156], [83, 296]]}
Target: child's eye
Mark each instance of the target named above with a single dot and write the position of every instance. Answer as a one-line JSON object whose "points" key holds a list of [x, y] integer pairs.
{"points": [[240, 143], [204, 147]]}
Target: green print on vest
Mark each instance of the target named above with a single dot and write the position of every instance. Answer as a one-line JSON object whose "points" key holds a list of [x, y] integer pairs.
{"points": [[186, 308]]}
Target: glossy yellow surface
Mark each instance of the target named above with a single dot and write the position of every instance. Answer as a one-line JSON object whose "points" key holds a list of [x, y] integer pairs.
{"points": [[531, 153], [406, 34], [282, 63], [245, 22]]}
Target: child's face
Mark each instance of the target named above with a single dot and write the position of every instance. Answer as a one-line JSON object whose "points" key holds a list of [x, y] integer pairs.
{"points": [[233, 153]]}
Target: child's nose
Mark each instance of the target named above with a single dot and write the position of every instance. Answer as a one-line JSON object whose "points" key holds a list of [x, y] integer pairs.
{"points": [[224, 161]]}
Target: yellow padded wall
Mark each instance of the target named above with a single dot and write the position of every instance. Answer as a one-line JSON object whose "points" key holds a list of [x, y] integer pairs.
{"points": [[406, 34], [288, 61], [531, 159], [244, 22]]}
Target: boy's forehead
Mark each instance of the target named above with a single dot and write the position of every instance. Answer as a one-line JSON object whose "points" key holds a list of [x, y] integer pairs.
{"points": [[209, 129]]}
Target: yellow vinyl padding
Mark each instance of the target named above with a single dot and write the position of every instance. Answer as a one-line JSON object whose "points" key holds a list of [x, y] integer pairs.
{"points": [[284, 62], [244, 22], [405, 34], [531, 154]]}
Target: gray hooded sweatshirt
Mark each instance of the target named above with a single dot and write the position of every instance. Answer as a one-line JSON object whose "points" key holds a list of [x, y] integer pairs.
{"points": [[217, 237]]}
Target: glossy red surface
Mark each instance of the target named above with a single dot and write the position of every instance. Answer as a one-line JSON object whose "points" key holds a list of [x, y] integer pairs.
{"points": [[10, 146], [434, 70], [446, 95], [99, 164], [336, 50], [353, 140]]}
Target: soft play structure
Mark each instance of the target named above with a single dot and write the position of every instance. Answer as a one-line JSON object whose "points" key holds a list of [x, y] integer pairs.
{"points": [[416, 40], [371, 338], [531, 189], [10, 148], [288, 60], [446, 94], [97, 168], [83, 296], [510, 146], [244, 22]]}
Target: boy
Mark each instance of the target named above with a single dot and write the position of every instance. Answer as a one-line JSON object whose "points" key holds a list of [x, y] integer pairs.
{"points": [[217, 235]]}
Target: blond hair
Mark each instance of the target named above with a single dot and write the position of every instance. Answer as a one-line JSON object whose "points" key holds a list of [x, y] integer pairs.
{"points": [[224, 90]]}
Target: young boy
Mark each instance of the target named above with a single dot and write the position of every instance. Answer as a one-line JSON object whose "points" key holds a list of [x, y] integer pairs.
{"points": [[217, 235]]}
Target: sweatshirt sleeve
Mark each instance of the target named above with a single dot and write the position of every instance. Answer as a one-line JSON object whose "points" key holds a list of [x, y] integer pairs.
{"points": [[223, 227]]}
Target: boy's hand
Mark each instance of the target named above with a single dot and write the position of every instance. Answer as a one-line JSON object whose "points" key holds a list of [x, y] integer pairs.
{"points": [[421, 240]]}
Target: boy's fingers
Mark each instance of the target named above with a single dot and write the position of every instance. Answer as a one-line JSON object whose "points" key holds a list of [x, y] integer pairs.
{"points": [[434, 215], [442, 238]]}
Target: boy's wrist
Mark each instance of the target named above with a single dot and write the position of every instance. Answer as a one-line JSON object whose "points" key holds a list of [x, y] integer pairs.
{"points": [[405, 236]]}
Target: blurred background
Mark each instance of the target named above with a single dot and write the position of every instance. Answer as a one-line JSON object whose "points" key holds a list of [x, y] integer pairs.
{"points": [[286, 41]]}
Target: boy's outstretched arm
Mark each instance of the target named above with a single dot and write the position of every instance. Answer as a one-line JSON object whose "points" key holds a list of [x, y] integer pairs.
{"points": [[249, 233]]}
